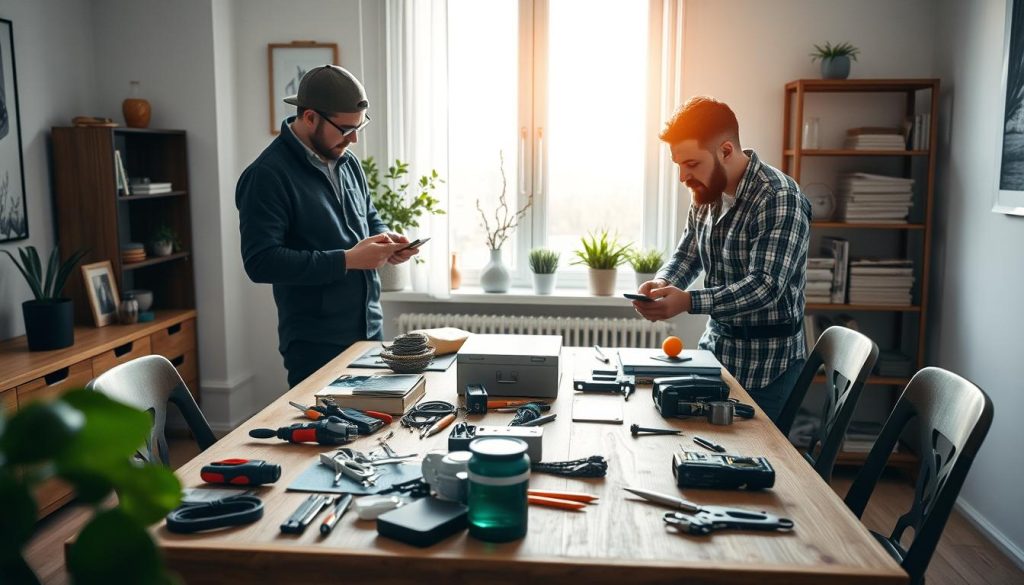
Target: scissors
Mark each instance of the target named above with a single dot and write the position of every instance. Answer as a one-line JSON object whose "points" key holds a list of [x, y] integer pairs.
{"points": [[701, 520]]}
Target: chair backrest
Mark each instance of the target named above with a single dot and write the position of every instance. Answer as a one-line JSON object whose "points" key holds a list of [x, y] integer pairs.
{"points": [[149, 383], [952, 417], [848, 357]]}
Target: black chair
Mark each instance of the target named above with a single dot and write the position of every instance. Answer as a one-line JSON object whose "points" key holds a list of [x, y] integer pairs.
{"points": [[149, 383], [848, 357], [952, 417]]}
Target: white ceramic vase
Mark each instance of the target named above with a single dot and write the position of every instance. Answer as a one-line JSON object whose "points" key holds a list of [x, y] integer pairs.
{"points": [[495, 277]]}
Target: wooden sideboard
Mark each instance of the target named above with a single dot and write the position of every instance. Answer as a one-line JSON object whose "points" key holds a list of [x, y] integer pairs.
{"points": [[26, 375]]}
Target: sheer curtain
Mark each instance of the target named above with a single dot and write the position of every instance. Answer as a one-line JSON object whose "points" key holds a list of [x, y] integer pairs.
{"points": [[417, 103]]}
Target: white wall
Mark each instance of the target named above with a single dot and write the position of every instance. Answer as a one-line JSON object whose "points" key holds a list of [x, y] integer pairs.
{"points": [[977, 328], [54, 58]]}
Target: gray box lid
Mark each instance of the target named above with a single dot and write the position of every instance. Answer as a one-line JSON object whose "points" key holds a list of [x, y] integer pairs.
{"points": [[536, 350]]}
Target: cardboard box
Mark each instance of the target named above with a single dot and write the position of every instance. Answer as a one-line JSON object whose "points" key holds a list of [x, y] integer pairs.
{"points": [[511, 365]]}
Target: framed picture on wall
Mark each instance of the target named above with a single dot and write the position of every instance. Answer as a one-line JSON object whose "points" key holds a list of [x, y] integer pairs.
{"points": [[287, 63], [13, 213], [1010, 187], [102, 291]]}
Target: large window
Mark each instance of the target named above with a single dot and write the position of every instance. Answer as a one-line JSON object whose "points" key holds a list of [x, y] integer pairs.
{"points": [[561, 89]]}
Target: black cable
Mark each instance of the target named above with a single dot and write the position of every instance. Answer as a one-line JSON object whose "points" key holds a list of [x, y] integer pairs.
{"points": [[593, 466], [524, 414], [427, 413], [232, 511]]}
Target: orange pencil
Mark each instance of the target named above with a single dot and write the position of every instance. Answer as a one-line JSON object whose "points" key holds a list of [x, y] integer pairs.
{"points": [[572, 496], [555, 503], [440, 425], [507, 403]]}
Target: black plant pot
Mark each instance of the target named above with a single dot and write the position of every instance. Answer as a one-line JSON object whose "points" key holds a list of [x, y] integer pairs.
{"points": [[49, 324]]}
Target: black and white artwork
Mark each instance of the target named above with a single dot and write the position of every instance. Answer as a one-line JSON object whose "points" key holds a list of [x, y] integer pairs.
{"points": [[13, 215], [1010, 194], [288, 63]]}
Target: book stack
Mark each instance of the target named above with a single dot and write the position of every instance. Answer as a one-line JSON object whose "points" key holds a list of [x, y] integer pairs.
{"points": [[867, 198], [839, 250], [861, 436], [819, 280], [145, 187], [881, 282], [920, 131], [390, 393], [874, 138], [132, 252]]}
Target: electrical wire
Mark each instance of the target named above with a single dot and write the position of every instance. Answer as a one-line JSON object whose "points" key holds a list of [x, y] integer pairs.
{"points": [[426, 414], [593, 466]]}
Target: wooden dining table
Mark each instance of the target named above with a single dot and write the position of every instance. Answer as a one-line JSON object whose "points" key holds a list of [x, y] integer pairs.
{"points": [[620, 540]]}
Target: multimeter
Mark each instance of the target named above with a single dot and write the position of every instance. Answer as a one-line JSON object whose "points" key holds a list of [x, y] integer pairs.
{"points": [[696, 469]]}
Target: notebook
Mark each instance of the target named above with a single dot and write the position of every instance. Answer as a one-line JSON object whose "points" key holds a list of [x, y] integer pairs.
{"points": [[647, 363], [390, 393]]}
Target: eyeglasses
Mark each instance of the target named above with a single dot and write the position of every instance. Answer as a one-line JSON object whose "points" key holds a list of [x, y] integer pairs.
{"points": [[346, 131]]}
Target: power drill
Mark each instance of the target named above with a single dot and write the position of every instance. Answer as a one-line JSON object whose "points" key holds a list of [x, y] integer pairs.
{"points": [[326, 431]]}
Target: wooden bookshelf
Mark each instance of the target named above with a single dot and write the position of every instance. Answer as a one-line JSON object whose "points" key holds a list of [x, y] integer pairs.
{"points": [[852, 152], [874, 381], [130, 198], [865, 308], [866, 226]]}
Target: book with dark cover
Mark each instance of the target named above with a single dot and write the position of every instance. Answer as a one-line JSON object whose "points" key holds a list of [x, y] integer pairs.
{"points": [[390, 393], [645, 363]]}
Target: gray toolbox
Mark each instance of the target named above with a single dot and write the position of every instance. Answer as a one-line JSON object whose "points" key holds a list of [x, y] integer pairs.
{"points": [[511, 365]]}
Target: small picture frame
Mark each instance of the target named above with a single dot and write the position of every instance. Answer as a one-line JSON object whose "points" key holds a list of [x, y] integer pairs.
{"points": [[287, 63], [102, 290]]}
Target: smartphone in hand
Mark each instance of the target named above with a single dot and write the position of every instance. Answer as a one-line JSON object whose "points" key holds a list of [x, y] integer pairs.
{"points": [[414, 244], [635, 297]]}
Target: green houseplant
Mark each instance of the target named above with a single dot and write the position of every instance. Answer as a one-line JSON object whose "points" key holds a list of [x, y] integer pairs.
{"points": [[49, 318], [835, 59], [602, 253], [646, 264], [165, 241], [400, 206], [495, 277], [87, 440], [543, 264]]}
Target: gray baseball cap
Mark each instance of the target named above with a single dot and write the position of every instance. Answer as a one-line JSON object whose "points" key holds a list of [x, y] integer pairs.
{"points": [[330, 89]]}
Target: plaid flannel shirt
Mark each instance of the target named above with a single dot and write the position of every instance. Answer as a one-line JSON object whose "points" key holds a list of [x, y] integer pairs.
{"points": [[754, 259]]}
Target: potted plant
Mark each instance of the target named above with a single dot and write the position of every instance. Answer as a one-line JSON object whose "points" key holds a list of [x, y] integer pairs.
{"points": [[603, 254], [400, 209], [86, 439], [543, 263], [835, 59], [495, 277], [164, 241], [646, 265], [49, 318]]}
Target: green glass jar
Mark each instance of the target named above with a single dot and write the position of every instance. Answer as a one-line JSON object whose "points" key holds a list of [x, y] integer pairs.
{"points": [[499, 475]]}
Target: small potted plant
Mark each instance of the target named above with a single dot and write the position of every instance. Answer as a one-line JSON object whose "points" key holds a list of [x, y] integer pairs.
{"points": [[400, 209], [164, 241], [603, 254], [495, 277], [835, 59], [646, 265], [543, 263], [49, 318]]}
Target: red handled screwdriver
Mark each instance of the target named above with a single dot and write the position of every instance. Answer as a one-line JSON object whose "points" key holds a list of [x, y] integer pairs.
{"points": [[241, 472]]}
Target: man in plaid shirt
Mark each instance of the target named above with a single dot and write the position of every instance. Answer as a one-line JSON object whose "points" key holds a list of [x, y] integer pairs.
{"points": [[748, 231]]}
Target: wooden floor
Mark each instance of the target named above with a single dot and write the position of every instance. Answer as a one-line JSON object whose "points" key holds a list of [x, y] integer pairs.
{"points": [[964, 556]]}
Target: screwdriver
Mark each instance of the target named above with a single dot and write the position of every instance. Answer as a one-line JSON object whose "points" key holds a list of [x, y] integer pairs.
{"points": [[341, 504], [240, 472]]}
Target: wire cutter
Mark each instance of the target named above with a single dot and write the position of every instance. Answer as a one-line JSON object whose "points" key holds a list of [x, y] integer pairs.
{"points": [[701, 520]]}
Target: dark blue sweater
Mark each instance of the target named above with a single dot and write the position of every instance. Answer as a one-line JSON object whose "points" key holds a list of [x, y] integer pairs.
{"points": [[294, 233]]}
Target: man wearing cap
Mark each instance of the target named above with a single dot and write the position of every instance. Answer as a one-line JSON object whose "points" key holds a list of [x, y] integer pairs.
{"points": [[309, 228], [748, 231]]}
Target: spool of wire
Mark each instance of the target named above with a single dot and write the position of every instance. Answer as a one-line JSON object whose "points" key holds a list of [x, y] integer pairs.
{"points": [[425, 414], [525, 414]]}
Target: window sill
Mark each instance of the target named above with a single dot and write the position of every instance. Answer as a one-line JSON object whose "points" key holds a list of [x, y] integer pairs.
{"points": [[515, 296]]}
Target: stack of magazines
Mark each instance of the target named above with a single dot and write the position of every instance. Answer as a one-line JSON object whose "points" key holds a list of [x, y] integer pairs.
{"points": [[867, 198], [881, 282]]}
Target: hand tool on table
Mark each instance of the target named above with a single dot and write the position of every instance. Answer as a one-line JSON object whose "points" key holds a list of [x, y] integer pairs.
{"points": [[326, 431], [304, 514], [341, 504], [709, 445], [344, 464], [699, 520], [562, 500], [240, 472], [637, 430], [367, 421]]}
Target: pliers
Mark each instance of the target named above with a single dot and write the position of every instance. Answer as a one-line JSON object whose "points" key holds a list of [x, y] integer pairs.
{"points": [[316, 412]]}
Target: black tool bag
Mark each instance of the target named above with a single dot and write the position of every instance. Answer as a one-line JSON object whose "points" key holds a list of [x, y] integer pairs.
{"points": [[675, 396]]}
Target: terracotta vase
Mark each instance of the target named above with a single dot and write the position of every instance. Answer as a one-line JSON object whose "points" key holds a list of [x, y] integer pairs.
{"points": [[456, 276], [135, 109]]}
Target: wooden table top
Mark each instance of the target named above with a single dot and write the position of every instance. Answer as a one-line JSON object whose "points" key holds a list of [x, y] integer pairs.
{"points": [[620, 539]]}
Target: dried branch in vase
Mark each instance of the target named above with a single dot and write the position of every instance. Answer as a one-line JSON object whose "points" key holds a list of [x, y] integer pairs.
{"points": [[505, 221]]}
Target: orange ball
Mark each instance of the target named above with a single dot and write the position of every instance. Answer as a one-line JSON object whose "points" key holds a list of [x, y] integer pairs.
{"points": [[672, 346]]}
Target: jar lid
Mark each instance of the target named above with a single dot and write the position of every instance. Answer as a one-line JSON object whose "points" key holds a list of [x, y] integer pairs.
{"points": [[498, 447]]}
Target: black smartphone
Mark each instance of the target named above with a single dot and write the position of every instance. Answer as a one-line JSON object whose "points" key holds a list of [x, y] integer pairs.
{"points": [[635, 297], [415, 244]]}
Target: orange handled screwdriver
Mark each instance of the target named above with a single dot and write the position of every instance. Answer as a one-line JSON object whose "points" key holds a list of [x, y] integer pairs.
{"points": [[440, 425], [572, 496]]}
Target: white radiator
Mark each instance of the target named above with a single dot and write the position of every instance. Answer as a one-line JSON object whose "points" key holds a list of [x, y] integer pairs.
{"points": [[575, 331]]}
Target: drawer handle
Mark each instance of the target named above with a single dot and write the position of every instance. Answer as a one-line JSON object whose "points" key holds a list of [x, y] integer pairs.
{"points": [[513, 375], [178, 360], [58, 376], [173, 329], [123, 349]]}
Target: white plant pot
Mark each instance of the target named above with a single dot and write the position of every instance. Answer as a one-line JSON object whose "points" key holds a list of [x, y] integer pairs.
{"points": [[394, 277], [163, 248], [544, 284], [602, 282], [495, 277], [642, 277]]}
